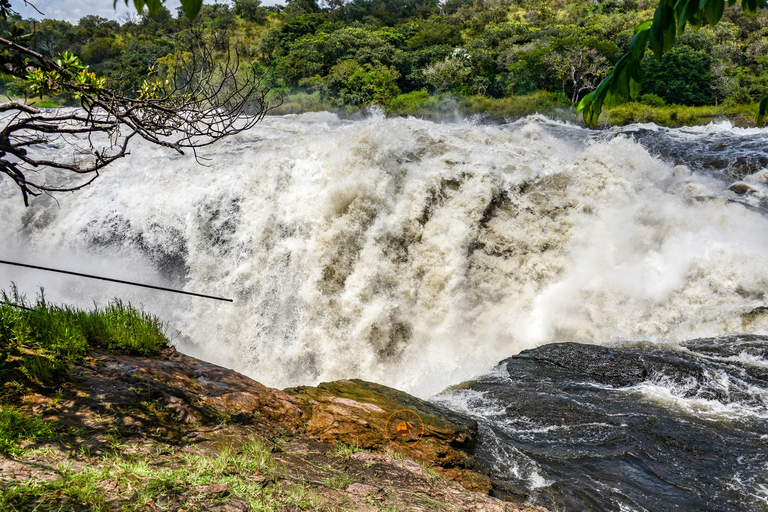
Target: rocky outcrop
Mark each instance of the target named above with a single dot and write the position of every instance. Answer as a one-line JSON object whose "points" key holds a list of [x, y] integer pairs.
{"points": [[358, 412], [168, 408]]}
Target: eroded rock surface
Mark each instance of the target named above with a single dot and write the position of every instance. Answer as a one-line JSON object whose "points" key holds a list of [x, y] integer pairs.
{"points": [[167, 410], [356, 411]]}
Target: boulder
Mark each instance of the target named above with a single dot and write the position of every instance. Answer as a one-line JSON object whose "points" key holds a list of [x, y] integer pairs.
{"points": [[358, 412]]}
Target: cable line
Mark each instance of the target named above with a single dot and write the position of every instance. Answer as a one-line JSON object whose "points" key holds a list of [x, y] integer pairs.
{"points": [[89, 276]]}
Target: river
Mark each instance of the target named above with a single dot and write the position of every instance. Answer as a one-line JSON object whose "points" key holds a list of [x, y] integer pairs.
{"points": [[420, 255]]}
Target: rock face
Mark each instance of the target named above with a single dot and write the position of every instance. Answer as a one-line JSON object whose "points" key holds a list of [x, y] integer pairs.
{"points": [[193, 407], [357, 412]]}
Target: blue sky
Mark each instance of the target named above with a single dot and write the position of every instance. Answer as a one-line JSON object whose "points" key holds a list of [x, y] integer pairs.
{"points": [[73, 10]]}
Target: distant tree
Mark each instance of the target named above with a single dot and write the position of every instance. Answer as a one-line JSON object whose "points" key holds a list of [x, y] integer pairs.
{"points": [[51, 37], [91, 27], [190, 7], [578, 66], [251, 10], [682, 77], [349, 83], [451, 73]]}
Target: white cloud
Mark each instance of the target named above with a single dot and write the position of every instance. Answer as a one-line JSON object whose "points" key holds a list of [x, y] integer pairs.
{"points": [[73, 10]]}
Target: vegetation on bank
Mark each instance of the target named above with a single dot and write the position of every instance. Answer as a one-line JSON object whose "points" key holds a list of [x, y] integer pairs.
{"points": [[38, 340], [504, 59], [130, 476], [553, 105]]}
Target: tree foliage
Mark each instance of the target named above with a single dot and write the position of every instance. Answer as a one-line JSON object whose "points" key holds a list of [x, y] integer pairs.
{"points": [[350, 53], [682, 77]]}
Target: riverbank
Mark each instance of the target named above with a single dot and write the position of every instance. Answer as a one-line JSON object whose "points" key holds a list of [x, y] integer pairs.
{"points": [[174, 433], [442, 106], [118, 430]]}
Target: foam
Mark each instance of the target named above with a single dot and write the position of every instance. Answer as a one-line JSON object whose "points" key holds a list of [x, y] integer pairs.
{"points": [[399, 250]]}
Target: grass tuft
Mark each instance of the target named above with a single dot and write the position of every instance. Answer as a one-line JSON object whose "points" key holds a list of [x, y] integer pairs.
{"points": [[15, 426], [37, 340], [346, 450]]}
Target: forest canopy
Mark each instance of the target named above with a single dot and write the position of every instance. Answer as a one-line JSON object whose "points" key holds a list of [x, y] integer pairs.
{"points": [[403, 54], [659, 34]]}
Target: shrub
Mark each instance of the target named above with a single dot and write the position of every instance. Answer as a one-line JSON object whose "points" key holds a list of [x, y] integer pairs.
{"points": [[350, 83], [652, 100], [682, 77]]}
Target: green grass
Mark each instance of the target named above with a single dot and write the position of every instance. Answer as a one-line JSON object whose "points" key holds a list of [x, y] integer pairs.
{"points": [[541, 102], [675, 116], [37, 340], [16, 426], [338, 481], [298, 102], [135, 482], [345, 450], [554, 105]]}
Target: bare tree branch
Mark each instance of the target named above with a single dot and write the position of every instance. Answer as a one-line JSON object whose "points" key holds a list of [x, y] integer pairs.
{"points": [[197, 97]]}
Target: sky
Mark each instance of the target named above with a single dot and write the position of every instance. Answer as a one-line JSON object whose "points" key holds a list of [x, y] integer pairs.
{"points": [[73, 10]]}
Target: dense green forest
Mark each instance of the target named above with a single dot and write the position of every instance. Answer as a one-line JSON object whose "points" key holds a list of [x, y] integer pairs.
{"points": [[412, 56]]}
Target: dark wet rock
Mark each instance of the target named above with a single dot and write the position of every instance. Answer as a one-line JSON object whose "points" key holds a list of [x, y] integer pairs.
{"points": [[741, 188], [593, 421], [603, 365]]}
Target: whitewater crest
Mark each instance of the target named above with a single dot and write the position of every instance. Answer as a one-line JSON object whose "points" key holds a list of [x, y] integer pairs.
{"points": [[403, 251]]}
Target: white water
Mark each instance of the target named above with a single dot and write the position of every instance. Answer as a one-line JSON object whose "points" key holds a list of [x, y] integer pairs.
{"points": [[401, 251]]}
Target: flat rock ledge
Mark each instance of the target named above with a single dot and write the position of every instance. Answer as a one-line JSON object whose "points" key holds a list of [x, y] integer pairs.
{"points": [[328, 442]]}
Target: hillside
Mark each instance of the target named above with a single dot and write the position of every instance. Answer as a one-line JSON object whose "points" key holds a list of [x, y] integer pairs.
{"points": [[505, 59]]}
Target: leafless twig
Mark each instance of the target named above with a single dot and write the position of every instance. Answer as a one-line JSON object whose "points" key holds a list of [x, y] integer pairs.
{"points": [[199, 96]]}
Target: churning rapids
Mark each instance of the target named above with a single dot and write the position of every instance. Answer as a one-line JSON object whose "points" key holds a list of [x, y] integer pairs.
{"points": [[623, 273]]}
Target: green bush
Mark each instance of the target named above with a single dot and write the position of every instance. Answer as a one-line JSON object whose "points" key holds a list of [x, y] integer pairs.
{"points": [[350, 83], [682, 77], [408, 103], [652, 100]]}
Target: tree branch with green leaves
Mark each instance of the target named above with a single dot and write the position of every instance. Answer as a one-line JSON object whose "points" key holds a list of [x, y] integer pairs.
{"points": [[198, 95], [670, 20]]}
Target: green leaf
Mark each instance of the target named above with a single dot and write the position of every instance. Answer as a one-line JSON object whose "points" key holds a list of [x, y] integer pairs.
{"points": [[713, 11], [749, 6], [592, 104], [585, 101], [687, 14], [663, 30], [191, 7], [154, 6], [761, 111], [139, 4], [635, 77], [639, 43], [643, 26]]}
